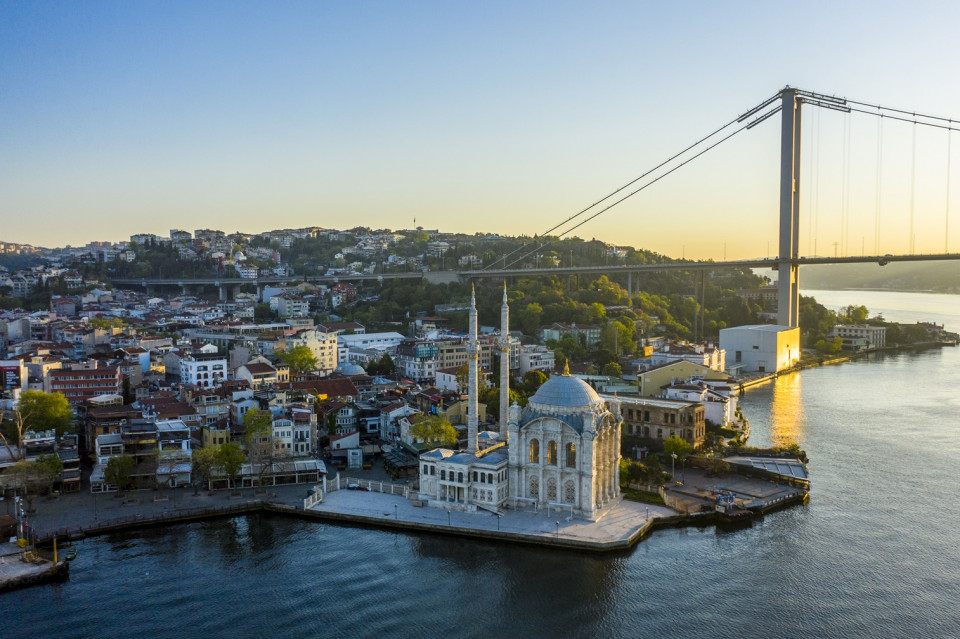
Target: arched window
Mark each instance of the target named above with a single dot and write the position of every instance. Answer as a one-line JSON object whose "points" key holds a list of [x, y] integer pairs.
{"points": [[571, 460], [534, 451], [552, 453], [474, 475], [460, 477], [443, 475], [534, 491]]}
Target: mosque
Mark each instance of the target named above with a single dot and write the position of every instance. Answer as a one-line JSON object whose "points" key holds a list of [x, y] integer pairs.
{"points": [[560, 451]]}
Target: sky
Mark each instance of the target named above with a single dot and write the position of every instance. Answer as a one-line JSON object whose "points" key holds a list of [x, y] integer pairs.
{"points": [[499, 117]]}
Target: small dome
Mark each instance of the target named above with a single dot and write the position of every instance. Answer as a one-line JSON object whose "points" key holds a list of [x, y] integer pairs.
{"points": [[350, 369], [565, 391]]}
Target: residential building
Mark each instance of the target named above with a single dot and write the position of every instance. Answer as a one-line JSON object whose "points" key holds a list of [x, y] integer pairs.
{"points": [[80, 383], [859, 336], [661, 419]]}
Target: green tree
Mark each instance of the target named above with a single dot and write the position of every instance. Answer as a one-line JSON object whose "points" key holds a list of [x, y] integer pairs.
{"points": [[434, 430], [675, 445], [48, 469], [119, 471], [258, 440], [529, 318], [612, 369], [230, 458], [299, 358], [262, 313], [532, 381], [205, 461], [36, 411]]}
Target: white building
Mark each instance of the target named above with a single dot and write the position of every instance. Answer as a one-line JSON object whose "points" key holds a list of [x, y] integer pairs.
{"points": [[860, 335], [761, 348], [385, 342], [536, 358], [205, 368]]}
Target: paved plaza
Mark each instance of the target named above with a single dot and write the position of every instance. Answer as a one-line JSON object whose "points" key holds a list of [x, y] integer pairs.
{"points": [[616, 524]]}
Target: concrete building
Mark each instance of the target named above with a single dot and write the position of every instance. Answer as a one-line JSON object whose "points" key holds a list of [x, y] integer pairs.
{"points": [[760, 348], [860, 336], [650, 383], [534, 357], [661, 419], [205, 368]]}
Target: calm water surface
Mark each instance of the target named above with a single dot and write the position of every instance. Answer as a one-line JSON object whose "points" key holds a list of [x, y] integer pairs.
{"points": [[876, 553]]}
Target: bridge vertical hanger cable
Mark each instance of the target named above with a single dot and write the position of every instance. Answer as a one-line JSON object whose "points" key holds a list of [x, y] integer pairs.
{"points": [[816, 204], [876, 222], [843, 186], [946, 224], [913, 185], [846, 251]]}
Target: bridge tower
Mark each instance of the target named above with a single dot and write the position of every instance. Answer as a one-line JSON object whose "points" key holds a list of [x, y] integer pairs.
{"points": [[788, 285]]}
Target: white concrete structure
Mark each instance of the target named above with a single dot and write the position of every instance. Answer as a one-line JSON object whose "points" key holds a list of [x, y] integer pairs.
{"points": [[851, 334], [203, 369], [761, 348], [534, 357]]}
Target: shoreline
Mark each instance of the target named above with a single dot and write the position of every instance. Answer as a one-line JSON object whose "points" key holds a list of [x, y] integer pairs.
{"points": [[839, 359], [387, 522]]}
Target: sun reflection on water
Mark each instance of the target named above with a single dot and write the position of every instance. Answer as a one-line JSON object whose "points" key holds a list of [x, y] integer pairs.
{"points": [[786, 411]]}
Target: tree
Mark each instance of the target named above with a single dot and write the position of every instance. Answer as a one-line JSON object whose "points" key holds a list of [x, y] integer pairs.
{"points": [[434, 430], [119, 471], [48, 468], [230, 458], [36, 411], [262, 313], [205, 461], [299, 358], [676, 446], [463, 380], [258, 440], [612, 369], [532, 381], [387, 367]]}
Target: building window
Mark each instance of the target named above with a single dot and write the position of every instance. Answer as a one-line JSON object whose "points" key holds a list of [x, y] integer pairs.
{"points": [[443, 475], [552, 453], [534, 451], [460, 477], [571, 455]]}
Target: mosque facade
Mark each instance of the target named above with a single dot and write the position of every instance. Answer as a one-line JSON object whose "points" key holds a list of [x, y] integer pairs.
{"points": [[560, 451]]}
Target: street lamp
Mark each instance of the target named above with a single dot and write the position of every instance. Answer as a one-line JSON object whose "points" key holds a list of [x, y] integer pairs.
{"points": [[558, 529], [396, 512], [498, 522], [673, 466], [448, 518]]}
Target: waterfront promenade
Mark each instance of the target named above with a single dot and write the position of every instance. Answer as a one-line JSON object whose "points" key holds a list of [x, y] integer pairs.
{"points": [[622, 524]]}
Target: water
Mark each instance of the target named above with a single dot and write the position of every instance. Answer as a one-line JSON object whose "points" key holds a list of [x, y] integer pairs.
{"points": [[875, 553]]}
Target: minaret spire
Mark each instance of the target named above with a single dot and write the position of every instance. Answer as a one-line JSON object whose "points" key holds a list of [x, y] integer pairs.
{"points": [[504, 363], [472, 351]]}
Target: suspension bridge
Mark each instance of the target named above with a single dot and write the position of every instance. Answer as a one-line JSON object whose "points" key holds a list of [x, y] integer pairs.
{"points": [[789, 104]]}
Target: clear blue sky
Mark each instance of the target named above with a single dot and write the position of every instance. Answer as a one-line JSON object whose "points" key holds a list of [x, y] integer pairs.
{"points": [[125, 117]]}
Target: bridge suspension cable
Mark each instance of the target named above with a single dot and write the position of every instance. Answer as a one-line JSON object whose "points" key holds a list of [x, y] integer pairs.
{"points": [[645, 174], [741, 118]]}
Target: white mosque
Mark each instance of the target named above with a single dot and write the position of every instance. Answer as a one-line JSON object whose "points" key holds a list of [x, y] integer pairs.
{"points": [[560, 451]]}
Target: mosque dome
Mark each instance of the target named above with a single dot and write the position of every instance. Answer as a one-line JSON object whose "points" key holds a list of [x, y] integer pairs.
{"points": [[563, 391], [350, 369]]}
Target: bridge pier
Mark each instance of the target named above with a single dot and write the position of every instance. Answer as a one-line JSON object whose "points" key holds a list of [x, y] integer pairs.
{"points": [[788, 282]]}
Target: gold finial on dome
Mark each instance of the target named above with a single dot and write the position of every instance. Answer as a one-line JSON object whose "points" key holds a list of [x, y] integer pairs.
{"points": [[566, 368]]}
